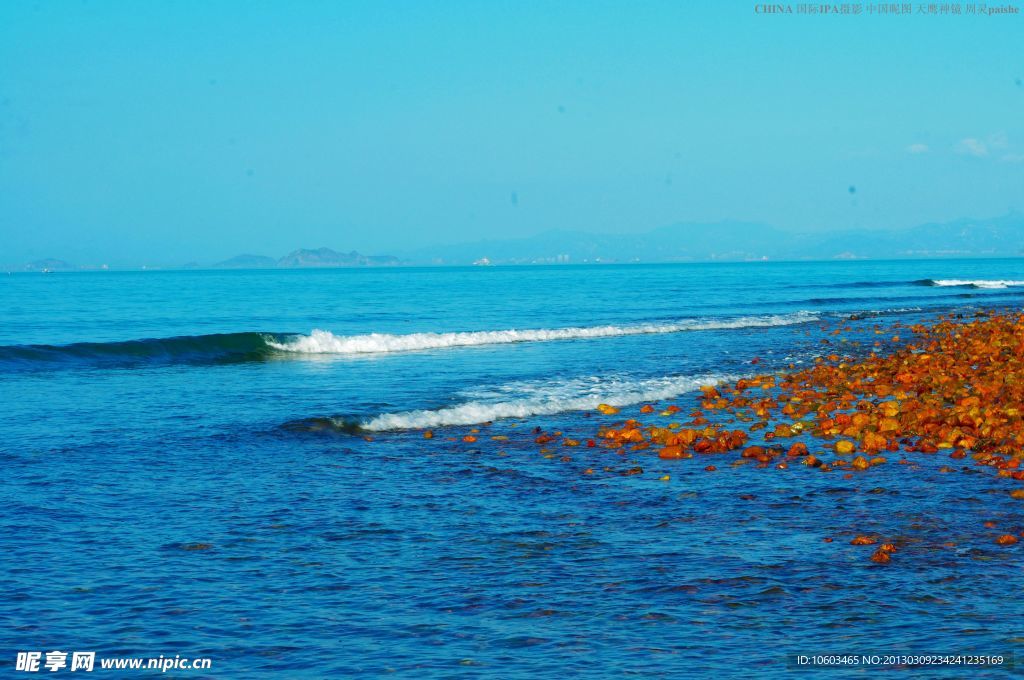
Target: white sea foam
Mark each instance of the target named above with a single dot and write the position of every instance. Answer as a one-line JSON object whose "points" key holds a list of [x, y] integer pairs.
{"points": [[979, 283], [535, 398], [325, 342]]}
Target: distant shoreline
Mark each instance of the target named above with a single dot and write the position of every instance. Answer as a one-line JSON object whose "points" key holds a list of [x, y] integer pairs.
{"points": [[726, 241], [506, 265]]}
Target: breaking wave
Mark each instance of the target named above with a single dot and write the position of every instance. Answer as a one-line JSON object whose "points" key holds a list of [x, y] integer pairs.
{"points": [[325, 342], [974, 283], [221, 348], [522, 399]]}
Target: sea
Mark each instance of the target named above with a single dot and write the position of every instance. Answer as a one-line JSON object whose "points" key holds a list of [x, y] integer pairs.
{"points": [[233, 465]]}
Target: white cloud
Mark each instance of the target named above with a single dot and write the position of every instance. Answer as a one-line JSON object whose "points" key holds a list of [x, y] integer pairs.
{"points": [[972, 147], [1013, 158], [998, 141], [917, 148]]}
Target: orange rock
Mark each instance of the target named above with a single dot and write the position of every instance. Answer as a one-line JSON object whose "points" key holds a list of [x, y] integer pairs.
{"points": [[873, 443], [671, 452], [842, 446], [888, 425], [753, 452]]}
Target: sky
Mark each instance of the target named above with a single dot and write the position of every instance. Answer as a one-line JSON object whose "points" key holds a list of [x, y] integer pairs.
{"points": [[168, 132]]}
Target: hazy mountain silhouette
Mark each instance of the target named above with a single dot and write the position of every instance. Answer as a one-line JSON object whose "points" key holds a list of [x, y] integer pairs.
{"points": [[740, 241], [304, 257], [728, 241], [247, 262], [325, 257], [50, 264]]}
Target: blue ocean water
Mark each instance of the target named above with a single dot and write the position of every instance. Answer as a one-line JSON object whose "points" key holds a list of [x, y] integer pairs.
{"points": [[231, 464]]}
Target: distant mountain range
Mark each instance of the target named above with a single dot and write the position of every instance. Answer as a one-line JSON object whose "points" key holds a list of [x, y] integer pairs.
{"points": [[743, 241], [1001, 236], [297, 259], [303, 258], [50, 264], [247, 262]]}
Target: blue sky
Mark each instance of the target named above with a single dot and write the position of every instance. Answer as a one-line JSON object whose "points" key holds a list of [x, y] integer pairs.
{"points": [[164, 132]]}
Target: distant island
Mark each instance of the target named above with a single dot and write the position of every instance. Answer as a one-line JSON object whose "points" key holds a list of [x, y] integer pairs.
{"points": [[304, 258], [50, 264], [728, 241], [247, 262]]}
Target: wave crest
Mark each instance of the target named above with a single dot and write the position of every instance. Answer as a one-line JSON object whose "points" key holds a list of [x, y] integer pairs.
{"points": [[325, 342], [976, 283], [524, 400]]}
